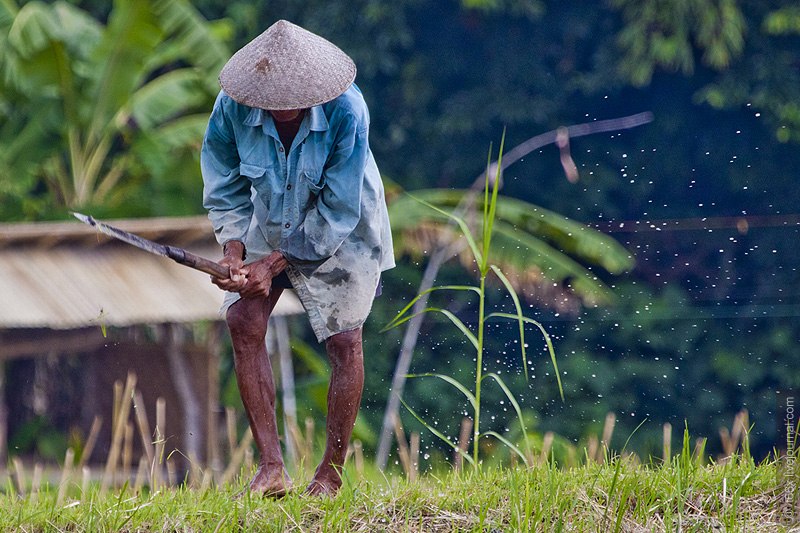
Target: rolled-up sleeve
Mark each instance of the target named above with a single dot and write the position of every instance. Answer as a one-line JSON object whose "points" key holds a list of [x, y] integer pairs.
{"points": [[226, 194], [337, 210]]}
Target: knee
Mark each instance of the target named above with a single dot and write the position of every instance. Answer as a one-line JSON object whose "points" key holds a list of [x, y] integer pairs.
{"points": [[345, 348], [243, 326]]}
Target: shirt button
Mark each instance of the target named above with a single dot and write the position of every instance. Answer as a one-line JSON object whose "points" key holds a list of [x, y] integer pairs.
{"points": [[289, 187], [280, 149], [287, 225]]}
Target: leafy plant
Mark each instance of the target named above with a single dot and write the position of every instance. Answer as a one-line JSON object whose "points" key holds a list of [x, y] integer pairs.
{"points": [[481, 253], [93, 108]]}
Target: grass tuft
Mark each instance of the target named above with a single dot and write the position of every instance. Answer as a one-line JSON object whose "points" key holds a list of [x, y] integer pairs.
{"points": [[616, 495]]}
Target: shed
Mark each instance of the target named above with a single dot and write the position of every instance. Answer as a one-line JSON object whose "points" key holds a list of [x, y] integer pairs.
{"points": [[67, 290]]}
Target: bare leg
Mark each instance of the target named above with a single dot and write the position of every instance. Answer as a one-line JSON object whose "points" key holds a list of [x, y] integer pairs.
{"points": [[344, 398], [247, 320]]}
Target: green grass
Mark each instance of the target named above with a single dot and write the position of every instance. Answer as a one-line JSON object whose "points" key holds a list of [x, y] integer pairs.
{"points": [[618, 495]]}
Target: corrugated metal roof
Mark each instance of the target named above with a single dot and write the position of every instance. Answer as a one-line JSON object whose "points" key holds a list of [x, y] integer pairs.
{"points": [[65, 275]]}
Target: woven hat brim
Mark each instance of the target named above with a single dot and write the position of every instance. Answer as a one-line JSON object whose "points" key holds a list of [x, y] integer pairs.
{"points": [[287, 67]]}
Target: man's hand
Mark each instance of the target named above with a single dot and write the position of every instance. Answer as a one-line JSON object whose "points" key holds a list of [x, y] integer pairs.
{"points": [[234, 260], [260, 274]]}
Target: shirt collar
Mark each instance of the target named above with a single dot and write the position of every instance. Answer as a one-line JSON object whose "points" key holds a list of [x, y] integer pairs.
{"points": [[259, 117]]}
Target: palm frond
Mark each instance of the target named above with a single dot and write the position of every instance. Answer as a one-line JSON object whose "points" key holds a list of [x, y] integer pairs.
{"points": [[545, 255], [166, 96]]}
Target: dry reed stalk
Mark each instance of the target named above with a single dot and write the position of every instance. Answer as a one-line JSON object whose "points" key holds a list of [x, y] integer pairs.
{"points": [[172, 478], [309, 439], [572, 457], [156, 474], [117, 402], [413, 450], [358, 457], [19, 476], [195, 471], [740, 428], [66, 475], [402, 447], [463, 443], [727, 443], [230, 425], [144, 426], [547, 445], [91, 440], [237, 458], [699, 446], [302, 456], [666, 455], [247, 465], [86, 478], [208, 477], [36, 482], [605, 442], [592, 448], [348, 453], [631, 458], [121, 418], [127, 451], [293, 433], [141, 474]]}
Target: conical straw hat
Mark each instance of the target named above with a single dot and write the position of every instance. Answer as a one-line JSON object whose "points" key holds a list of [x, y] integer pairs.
{"points": [[287, 67]]}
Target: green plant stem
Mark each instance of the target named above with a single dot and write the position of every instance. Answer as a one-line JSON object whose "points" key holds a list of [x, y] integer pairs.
{"points": [[479, 370]]}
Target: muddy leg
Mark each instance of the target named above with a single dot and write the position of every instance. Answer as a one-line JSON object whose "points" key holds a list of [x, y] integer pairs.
{"points": [[247, 320], [344, 398]]}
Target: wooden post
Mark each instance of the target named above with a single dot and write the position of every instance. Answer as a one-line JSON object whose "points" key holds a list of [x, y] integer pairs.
{"points": [[214, 353], [181, 373], [155, 468]]}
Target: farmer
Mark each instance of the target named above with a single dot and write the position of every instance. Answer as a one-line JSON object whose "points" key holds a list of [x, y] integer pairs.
{"points": [[296, 201]]}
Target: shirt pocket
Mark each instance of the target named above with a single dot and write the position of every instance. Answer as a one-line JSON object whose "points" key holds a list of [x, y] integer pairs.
{"points": [[312, 165], [312, 179], [259, 181], [252, 172]]}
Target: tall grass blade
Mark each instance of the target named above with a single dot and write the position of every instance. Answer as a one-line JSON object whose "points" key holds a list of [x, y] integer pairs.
{"points": [[438, 433], [520, 316], [396, 320], [466, 392], [453, 318], [510, 445], [488, 218], [547, 340], [514, 404]]}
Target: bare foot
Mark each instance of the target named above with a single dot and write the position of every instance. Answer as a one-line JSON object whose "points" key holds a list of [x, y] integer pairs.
{"points": [[326, 482], [273, 483]]}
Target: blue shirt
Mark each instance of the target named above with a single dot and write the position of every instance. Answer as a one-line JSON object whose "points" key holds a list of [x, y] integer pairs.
{"points": [[320, 199]]}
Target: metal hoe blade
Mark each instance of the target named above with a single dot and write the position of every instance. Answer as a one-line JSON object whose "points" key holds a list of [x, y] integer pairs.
{"points": [[130, 238], [179, 255]]}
